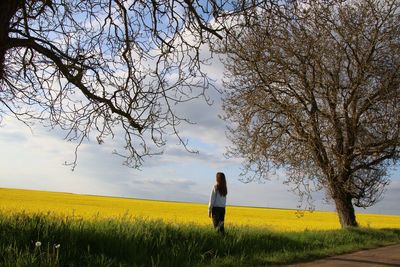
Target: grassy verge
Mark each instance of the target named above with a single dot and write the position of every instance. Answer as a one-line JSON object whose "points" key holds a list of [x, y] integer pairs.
{"points": [[69, 242]]}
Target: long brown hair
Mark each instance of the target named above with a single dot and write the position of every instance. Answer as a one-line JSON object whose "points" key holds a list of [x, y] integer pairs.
{"points": [[221, 184]]}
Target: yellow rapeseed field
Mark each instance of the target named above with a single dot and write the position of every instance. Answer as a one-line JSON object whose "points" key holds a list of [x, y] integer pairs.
{"points": [[91, 207]]}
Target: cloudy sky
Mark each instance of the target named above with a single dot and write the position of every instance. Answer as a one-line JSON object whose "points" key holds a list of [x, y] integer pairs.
{"points": [[33, 159]]}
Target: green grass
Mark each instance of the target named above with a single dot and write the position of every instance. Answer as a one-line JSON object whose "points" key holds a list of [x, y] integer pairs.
{"points": [[154, 243]]}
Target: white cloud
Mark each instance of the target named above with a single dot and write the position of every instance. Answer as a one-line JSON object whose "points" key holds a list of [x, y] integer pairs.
{"points": [[35, 160]]}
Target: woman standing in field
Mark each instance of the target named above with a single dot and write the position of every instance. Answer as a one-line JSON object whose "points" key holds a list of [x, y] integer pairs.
{"points": [[216, 206]]}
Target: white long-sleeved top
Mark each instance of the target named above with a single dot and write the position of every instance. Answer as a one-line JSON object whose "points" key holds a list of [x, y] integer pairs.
{"points": [[216, 199]]}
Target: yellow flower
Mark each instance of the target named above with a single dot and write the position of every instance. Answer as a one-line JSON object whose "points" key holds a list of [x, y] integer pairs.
{"points": [[76, 207]]}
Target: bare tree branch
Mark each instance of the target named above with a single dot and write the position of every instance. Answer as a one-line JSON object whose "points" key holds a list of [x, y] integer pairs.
{"points": [[313, 87], [106, 67]]}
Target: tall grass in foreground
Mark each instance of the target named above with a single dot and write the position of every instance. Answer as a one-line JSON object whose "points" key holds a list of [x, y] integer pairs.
{"points": [[71, 242]]}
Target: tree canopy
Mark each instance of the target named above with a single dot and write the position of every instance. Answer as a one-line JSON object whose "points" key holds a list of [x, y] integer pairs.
{"points": [[99, 67], [313, 88]]}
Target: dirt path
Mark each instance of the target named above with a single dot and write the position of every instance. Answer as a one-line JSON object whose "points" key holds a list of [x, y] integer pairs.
{"points": [[384, 256]]}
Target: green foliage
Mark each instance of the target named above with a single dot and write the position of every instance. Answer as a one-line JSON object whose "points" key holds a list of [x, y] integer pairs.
{"points": [[123, 242]]}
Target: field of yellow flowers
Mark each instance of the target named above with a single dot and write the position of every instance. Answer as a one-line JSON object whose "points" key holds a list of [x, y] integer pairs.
{"points": [[89, 207]]}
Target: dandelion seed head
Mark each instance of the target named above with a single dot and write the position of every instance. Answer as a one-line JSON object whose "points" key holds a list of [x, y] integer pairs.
{"points": [[38, 244], [57, 246]]}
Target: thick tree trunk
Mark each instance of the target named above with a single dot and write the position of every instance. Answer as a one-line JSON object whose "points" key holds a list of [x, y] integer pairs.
{"points": [[345, 210], [8, 8]]}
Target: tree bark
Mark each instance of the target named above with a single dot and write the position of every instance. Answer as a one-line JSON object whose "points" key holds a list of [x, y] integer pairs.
{"points": [[8, 10], [345, 210]]}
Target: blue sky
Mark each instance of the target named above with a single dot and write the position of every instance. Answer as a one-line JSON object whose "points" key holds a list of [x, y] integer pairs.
{"points": [[33, 159]]}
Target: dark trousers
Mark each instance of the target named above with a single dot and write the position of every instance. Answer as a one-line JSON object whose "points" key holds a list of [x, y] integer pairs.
{"points": [[218, 217]]}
